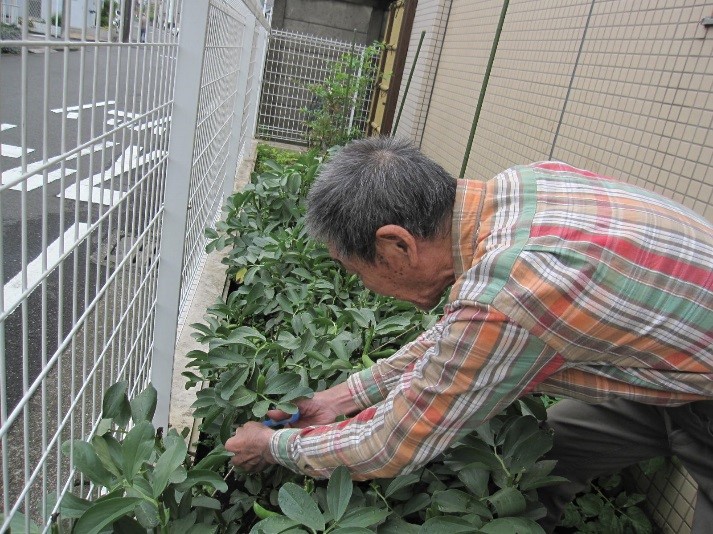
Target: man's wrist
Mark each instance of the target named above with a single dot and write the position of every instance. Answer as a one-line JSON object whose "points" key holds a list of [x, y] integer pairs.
{"points": [[340, 399]]}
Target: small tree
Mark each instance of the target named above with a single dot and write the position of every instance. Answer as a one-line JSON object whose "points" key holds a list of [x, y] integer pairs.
{"points": [[337, 112]]}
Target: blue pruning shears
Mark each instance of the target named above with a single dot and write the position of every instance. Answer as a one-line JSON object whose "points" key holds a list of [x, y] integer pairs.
{"points": [[274, 424]]}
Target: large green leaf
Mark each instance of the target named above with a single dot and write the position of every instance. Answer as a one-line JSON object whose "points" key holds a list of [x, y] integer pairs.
{"points": [[533, 406], [476, 452], [147, 514], [518, 431], [203, 477], [447, 525], [103, 451], [401, 482], [172, 457], [297, 504], [339, 491], [72, 507], [282, 383], [242, 397], [86, 460], [527, 452], [297, 393], [391, 324], [512, 525], [214, 458], [457, 501], [115, 404], [476, 479], [232, 380], [416, 503], [143, 405], [104, 513], [363, 517], [274, 525], [137, 448], [508, 502]]}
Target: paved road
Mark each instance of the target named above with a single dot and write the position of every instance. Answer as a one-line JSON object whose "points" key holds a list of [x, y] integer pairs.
{"points": [[51, 216]]}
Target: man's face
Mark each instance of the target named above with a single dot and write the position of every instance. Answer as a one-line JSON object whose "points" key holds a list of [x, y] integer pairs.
{"points": [[387, 278]]}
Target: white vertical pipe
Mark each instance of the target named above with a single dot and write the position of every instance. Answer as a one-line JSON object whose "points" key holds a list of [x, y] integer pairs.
{"points": [[239, 103], [180, 149]]}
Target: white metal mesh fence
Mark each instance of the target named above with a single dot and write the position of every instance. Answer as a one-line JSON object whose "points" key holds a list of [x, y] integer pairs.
{"points": [[295, 62], [87, 182]]}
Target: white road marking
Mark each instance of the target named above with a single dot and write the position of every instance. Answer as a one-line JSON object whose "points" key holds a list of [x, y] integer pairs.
{"points": [[12, 291], [5, 126], [36, 180], [90, 189], [12, 151], [72, 110]]}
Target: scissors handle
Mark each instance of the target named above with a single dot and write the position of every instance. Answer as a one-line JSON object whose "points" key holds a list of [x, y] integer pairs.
{"points": [[272, 423]]}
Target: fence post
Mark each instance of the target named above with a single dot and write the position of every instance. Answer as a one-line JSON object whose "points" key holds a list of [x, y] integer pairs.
{"points": [[263, 38], [240, 94], [189, 66]]}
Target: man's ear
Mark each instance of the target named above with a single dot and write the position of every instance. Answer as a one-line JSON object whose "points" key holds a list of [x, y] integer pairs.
{"points": [[394, 242]]}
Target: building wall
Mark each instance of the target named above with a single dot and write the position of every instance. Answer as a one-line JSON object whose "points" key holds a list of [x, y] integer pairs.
{"points": [[334, 19], [431, 18], [621, 88]]}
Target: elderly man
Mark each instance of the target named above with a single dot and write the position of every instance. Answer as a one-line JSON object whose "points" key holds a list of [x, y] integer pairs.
{"points": [[561, 282]]}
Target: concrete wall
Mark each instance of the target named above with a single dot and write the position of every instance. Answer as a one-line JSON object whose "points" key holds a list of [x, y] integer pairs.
{"points": [[335, 19], [621, 88]]}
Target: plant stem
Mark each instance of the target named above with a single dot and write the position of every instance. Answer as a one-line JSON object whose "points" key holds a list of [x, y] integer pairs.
{"points": [[495, 452], [376, 490]]}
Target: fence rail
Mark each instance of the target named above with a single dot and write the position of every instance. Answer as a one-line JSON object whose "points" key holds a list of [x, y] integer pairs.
{"points": [[96, 173]]}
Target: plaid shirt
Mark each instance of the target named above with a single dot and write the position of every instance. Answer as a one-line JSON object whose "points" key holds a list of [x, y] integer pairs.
{"points": [[567, 283]]}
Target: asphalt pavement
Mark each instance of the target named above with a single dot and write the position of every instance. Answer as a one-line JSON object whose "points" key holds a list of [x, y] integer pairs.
{"points": [[86, 92]]}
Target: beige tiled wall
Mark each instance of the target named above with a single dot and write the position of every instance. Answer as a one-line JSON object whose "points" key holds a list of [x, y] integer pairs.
{"points": [[670, 497], [432, 16], [620, 87], [627, 91]]}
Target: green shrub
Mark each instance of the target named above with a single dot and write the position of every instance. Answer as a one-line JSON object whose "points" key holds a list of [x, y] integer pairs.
{"points": [[336, 111], [9, 32], [281, 156]]}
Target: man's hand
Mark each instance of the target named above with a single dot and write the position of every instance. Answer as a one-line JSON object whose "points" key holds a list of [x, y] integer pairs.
{"points": [[322, 409], [251, 442], [251, 447]]}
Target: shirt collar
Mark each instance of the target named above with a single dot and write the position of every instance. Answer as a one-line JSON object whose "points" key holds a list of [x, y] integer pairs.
{"points": [[466, 217]]}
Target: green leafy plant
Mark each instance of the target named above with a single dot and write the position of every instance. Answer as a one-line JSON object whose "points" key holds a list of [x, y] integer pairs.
{"points": [[337, 112], [607, 507], [9, 32], [281, 156], [147, 481]]}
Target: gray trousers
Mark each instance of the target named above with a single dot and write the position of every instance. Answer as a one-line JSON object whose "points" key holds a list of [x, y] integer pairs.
{"points": [[591, 440]]}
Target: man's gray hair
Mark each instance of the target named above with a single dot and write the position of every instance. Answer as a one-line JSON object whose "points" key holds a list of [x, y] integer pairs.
{"points": [[374, 182]]}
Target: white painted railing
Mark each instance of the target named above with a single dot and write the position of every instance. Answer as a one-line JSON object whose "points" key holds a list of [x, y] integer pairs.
{"points": [[116, 155]]}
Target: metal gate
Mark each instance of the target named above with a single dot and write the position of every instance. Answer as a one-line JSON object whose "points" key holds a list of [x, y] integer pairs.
{"points": [[295, 62]]}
